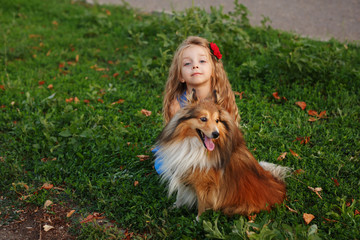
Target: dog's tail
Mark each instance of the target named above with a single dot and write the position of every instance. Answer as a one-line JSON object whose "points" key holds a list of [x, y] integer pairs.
{"points": [[279, 172]]}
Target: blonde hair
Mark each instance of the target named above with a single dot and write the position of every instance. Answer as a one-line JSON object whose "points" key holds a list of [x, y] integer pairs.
{"points": [[174, 88]]}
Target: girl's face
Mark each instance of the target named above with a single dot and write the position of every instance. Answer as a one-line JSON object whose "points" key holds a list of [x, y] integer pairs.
{"points": [[196, 68]]}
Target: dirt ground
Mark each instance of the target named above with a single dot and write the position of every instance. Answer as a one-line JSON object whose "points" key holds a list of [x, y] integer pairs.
{"points": [[32, 224], [320, 19]]}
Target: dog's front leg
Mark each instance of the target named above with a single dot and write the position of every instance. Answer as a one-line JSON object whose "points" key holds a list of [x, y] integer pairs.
{"points": [[201, 205], [185, 196]]}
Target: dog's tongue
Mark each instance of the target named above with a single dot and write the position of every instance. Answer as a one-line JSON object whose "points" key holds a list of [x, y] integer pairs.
{"points": [[209, 143]]}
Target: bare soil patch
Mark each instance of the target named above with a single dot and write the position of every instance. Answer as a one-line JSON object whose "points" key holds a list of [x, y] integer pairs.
{"points": [[32, 220]]}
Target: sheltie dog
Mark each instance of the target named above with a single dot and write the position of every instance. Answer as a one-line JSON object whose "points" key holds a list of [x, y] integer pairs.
{"points": [[203, 157]]}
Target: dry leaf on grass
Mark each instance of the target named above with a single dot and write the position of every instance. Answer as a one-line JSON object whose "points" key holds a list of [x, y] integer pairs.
{"points": [[308, 218], [69, 214], [302, 105], [143, 157], [47, 203], [47, 186], [295, 154], [282, 156], [276, 95], [92, 217], [316, 190], [239, 94], [47, 227], [290, 209], [146, 112]]}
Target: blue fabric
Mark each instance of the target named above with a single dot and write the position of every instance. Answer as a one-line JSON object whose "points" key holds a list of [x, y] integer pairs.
{"points": [[182, 101], [157, 160]]}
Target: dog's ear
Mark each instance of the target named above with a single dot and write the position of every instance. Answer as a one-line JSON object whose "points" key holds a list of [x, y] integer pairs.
{"points": [[192, 98], [217, 98]]}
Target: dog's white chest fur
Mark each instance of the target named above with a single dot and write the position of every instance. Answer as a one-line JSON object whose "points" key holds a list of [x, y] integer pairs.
{"points": [[175, 160]]}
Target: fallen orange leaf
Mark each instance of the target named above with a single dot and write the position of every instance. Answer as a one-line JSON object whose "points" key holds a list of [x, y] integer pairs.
{"points": [[308, 218], [282, 156], [252, 217], [41, 83], [92, 217], [302, 105], [303, 140], [322, 114], [299, 171], [276, 95], [146, 112], [294, 154], [336, 182], [2, 87], [69, 214], [312, 119], [136, 183], [50, 86], [69, 100], [47, 186], [313, 113], [239, 94], [143, 157], [118, 101], [357, 212]]}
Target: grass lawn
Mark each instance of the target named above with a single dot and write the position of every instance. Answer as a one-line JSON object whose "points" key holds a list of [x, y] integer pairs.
{"points": [[75, 80]]}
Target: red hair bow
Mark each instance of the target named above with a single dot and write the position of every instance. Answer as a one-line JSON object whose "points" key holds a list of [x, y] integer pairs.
{"points": [[215, 50]]}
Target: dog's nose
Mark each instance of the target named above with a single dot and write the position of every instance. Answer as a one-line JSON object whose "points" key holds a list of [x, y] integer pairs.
{"points": [[215, 134]]}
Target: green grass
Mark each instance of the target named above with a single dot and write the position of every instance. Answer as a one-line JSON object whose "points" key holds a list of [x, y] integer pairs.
{"points": [[102, 54]]}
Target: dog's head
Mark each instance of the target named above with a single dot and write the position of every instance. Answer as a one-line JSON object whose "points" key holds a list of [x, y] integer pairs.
{"points": [[204, 116], [206, 120]]}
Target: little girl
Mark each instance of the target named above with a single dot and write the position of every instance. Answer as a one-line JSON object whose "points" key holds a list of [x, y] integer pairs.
{"points": [[196, 65]]}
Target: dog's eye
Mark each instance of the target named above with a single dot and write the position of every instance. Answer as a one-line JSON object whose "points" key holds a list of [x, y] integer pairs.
{"points": [[203, 119], [217, 120]]}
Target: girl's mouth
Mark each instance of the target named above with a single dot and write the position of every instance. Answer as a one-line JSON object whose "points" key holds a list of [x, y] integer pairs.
{"points": [[195, 74]]}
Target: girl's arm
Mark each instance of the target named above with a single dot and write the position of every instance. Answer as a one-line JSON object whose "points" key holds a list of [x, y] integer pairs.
{"points": [[174, 107]]}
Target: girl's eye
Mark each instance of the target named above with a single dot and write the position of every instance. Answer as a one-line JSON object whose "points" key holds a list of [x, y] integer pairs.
{"points": [[202, 61], [203, 119], [186, 64]]}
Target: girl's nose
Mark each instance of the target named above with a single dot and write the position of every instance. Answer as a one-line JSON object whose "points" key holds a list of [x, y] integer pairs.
{"points": [[195, 66]]}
